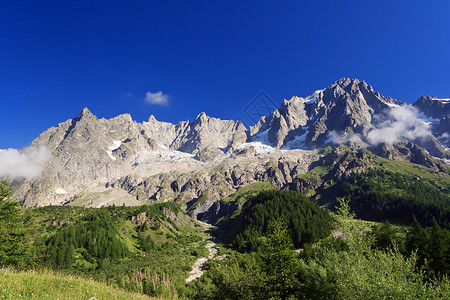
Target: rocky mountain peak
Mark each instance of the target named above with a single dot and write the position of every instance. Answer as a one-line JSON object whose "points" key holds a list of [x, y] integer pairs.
{"points": [[152, 119], [85, 113], [87, 151], [433, 106], [348, 83], [346, 106], [437, 111], [202, 118]]}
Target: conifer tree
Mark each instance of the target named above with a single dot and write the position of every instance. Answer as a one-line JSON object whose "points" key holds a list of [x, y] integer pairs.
{"points": [[12, 233], [280, 262], [437, 249]]}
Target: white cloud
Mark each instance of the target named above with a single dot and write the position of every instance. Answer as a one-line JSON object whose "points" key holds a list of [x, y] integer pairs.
{"points": [[28, 163], [157, 98], [403, 121], [342, 138]]}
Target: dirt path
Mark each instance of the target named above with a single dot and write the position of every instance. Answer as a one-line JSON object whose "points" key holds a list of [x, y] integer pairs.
{"points": [[197, 268]]}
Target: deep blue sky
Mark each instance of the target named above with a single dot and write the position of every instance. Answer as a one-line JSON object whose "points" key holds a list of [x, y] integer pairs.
{"points": [[57, 57]]}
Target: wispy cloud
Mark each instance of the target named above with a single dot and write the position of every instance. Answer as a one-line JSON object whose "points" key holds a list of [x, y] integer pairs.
{"points": [[157, 98], [342, 138], [400, 122], [404, 121], [28, 163]]}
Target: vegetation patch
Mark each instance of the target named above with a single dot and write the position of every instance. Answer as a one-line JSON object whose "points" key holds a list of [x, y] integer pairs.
{"points": [[306, 221], [51, 285]]}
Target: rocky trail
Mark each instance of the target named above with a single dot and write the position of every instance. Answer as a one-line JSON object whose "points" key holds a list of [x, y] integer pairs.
{"points": [[197, 268]]}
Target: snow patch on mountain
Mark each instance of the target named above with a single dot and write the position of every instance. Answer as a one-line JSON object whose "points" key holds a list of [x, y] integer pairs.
{"points": [[445, 100], [260, 148], [148, 157], [298, 142], [60, 191], [428, 120], [314, 97], [262, 137], [116, 145], [392, 105]]}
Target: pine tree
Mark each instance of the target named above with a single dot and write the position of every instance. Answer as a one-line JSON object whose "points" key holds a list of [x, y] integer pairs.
{"points": [[417, 240], [12, 232], [437, 249], [384, 236], [280, 262]]}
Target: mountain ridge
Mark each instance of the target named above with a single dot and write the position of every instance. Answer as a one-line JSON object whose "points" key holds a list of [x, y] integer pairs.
{"points": [[94, 155]]}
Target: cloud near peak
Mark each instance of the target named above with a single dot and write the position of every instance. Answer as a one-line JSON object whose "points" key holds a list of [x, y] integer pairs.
{"points": [[404, 121], [157, 98], [28, 163]]}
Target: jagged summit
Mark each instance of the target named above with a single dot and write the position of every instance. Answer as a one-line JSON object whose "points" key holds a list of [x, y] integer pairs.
{"points": [[89, 152], [433, 106], [201, 118], [346, 106], [151, 119], [85, 113], [437, 111]]}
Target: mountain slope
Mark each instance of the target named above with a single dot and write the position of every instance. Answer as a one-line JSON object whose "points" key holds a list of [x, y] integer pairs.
{"points": [[437, 111], [97, 162], [346, 106]]}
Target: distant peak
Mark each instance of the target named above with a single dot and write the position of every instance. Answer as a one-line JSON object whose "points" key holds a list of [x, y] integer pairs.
{"points": [[85, 113], [151, 119], [202, 117], [85, 116], [345, 81], [431, 99]]}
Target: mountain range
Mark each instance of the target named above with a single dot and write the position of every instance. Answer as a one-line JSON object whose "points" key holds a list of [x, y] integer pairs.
{"points": [[97, 162]]}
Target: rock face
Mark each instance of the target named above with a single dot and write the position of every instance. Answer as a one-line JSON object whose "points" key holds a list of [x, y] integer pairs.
{"points": [[198, 163], [87, 151], [347, 106], [437, 110]]}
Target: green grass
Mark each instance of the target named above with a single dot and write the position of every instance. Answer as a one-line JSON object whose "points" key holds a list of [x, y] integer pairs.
{"points": [[51, 285], [314, 175], [320, 170], [440, 179], [249, 190], [199, 202], [86, 199]]}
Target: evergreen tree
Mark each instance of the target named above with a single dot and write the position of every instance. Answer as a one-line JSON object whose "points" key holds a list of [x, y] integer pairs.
{"points": [[437, 249], [12, 233], [279, 262], [417, 240], [384, 236]]}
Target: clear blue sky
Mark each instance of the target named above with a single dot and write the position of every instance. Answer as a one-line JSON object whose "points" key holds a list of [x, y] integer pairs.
{"points": [[57, 57]]}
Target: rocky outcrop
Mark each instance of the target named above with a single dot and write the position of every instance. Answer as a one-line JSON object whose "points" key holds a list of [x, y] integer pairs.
{"points": [[347, 106], [159, 161], [200, 190], [407, 151], [87, 151], [434, 107], [438, 112], [209, 133]]}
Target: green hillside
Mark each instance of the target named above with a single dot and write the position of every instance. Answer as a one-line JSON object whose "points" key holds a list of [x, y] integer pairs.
{"points": [[377, 188], [306, 221], [51, 285]]}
